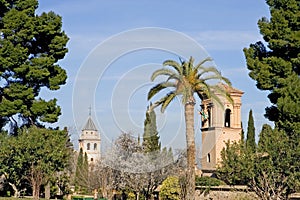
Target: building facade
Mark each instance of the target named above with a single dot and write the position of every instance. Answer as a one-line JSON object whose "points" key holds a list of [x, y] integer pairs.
{"points": [[90, 141], [219, 125]]}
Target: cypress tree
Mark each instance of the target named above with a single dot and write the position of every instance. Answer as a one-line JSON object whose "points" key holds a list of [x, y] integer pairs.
{"points": [[242, 134], [82, 172], [85, 165], [150, 137], [170, 154], [79, 167], [250, 141]]}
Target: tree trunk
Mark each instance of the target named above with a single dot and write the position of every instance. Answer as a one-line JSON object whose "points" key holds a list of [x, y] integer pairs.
{"points": [[35, 191], [190, 141], [16, 191], [36, 179], [47, 191]]}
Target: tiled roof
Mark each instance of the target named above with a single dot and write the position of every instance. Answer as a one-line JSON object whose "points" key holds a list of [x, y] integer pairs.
{"points": [[90, 125]]}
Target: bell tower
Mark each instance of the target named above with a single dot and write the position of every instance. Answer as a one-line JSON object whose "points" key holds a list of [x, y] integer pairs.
{"points": [[219, 125], [90, 141]]}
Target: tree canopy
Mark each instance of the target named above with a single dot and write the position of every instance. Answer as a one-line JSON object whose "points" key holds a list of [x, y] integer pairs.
{"points": [[151, 141], [250, 141], [275, 66], [269, 171], [33, 156], [136, 170], [275, 63], [30, 47]]}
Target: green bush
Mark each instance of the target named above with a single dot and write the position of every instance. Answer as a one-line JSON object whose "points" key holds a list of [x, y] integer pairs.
{"points": [[170, 189], [208, 181]]}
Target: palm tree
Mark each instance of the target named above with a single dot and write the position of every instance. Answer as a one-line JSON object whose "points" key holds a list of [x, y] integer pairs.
{"points": [[186, 79]]}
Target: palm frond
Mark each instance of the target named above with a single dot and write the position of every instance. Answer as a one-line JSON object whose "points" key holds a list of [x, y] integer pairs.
{"points": [[220, 89], [227, 81], [203, 70], [214, 92], [173, 64], [174, 77], [187, 67], [203, 90], [190, 65], [157, 88], [162, 72], [166, 100], [187, 94], [186, 79], [203, 61], [212, 77]]}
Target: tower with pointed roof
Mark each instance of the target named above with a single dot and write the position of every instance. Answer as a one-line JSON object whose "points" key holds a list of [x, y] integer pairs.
{"points": [[90, 141], [220, 124]]}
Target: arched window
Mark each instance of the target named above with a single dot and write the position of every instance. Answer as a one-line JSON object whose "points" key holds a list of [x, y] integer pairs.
{"points": [[95, 146], [92, 159], [227, 117], [209, 117], [208, 158], [88, 146]]}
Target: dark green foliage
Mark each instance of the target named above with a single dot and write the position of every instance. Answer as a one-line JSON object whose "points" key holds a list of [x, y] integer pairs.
{"points": [[242, 133], [275, 67], [30, 47], [35, 152], [236, 166], [85, 161], [150, 137], [269, 171], [208, 181], [250, 141], [274, 174], [82, 172], [79, 166]]}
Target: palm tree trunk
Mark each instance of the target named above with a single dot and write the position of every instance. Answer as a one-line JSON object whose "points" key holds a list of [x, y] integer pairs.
{"points": [[190, 141]]}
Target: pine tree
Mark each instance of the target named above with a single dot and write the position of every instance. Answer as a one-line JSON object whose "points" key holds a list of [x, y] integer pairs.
{"points": [[275, 67], [30, 47], [150, 137], [250, 141]]}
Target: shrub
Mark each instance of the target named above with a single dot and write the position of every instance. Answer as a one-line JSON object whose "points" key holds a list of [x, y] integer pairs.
{"points": [[170, 189], [208, 181]]}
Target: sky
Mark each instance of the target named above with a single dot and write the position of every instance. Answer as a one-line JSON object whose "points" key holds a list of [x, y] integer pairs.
{"points": [[115, 45]]}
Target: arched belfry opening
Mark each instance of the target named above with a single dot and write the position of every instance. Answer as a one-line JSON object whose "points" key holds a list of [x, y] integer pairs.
{"points": [[227, 117]]}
